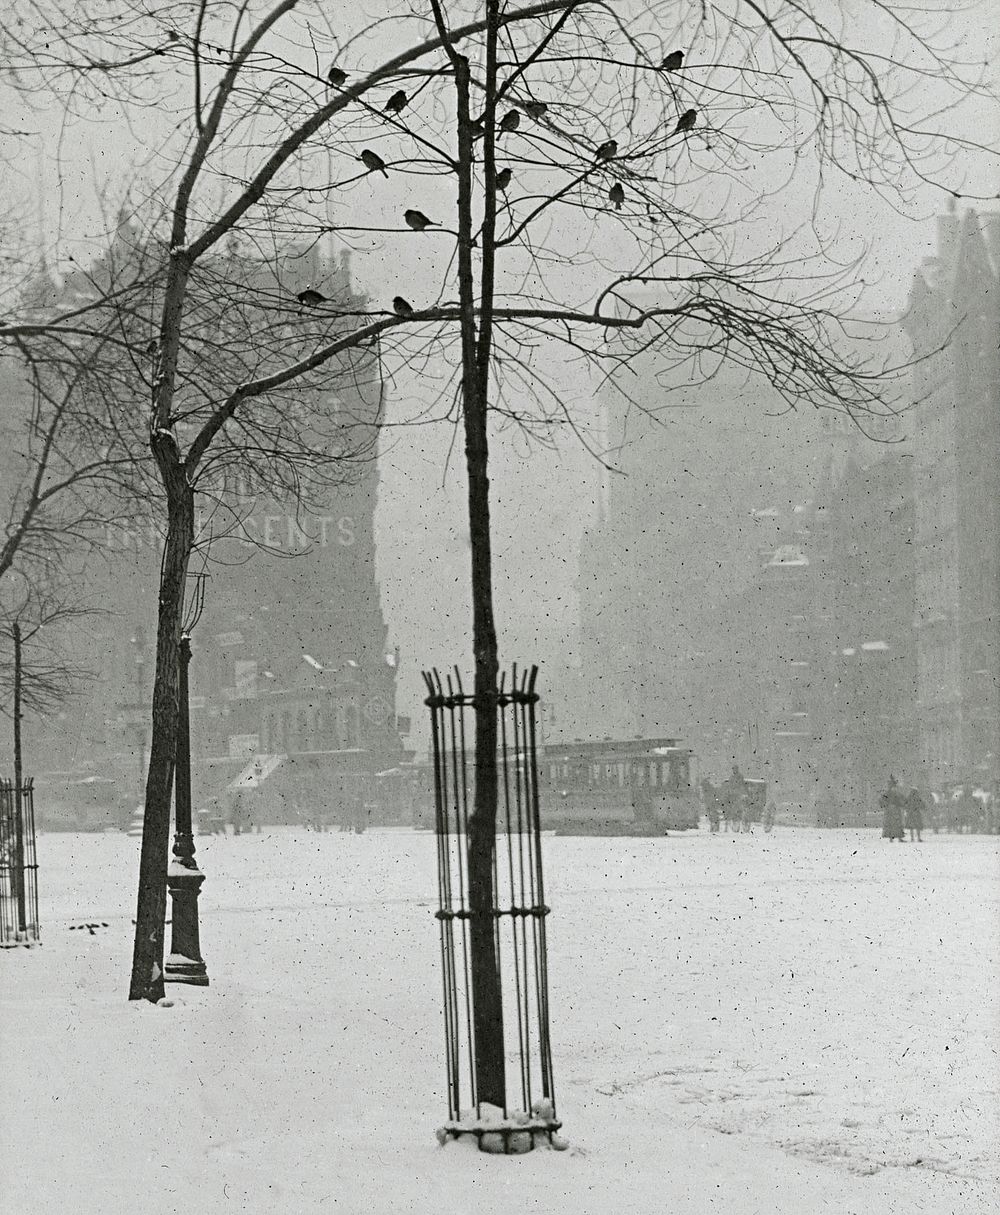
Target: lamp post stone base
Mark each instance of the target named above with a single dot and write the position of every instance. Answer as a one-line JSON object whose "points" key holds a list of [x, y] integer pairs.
{"points": [[184, 964]]}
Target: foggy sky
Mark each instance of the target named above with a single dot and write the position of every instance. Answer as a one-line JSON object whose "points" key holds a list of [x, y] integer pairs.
{"points": [[543, 500]]}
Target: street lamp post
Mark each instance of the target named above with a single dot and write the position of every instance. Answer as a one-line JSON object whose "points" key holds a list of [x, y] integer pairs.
{"points": [[184, 880]]}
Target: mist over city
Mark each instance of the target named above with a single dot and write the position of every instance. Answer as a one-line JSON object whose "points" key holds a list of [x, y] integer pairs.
{"points": [[499, 595]]}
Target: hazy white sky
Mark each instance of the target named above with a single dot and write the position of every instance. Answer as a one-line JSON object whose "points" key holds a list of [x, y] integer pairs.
{"points": [[60, 178]]}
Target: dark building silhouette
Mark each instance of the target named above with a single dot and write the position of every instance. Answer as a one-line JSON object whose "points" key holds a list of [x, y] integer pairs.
{"points": [[293, 679], [954, 325], [749, 588]]}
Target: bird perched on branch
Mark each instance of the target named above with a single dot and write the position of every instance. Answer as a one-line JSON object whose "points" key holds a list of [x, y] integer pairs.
{"points": [[372, 161], [503, 179], [510, 121], [672, 62], [401, 307], [617, 195], [535, 109], [418, 221], [396, 102], [686, 121], [608, 150], [336, 76], [310, 298]]}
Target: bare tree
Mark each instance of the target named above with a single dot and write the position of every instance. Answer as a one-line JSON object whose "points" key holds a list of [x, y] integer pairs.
{"points": [[72, 470], [582, 188], [37, 673]]}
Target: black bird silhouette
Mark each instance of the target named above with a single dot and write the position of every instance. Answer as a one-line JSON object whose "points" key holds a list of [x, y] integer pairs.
{"points": [[510, 121], [503, 179], [535, 109], [401, 307], [478, 127], [607, 150], [336, 76], [686, 121], [372, 161], [617, 195], [310, 298], [396, 102], [152, 346], [673, 61], [418, 220]]}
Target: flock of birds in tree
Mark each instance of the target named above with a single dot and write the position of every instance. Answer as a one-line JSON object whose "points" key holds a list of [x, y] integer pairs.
{"points": [[418, 221]]}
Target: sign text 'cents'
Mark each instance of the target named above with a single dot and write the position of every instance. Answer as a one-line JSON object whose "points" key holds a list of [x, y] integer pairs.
{"points": [[286, 533]]}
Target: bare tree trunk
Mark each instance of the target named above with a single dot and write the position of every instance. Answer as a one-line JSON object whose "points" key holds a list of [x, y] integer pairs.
{"points": [[147, 955], [487, 999]]}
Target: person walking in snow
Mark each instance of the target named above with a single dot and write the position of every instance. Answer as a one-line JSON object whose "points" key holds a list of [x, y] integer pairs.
{"points": [[710, 797], [914, 815], [734, 793], [891, 804]]}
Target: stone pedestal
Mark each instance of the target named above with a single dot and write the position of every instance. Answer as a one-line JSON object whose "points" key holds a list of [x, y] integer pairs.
{"points": [[185, 964]]}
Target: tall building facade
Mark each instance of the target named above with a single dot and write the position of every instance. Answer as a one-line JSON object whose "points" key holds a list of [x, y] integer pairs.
{"points": [[693, 570], [749, 589], [292, 679], [954, 325]]}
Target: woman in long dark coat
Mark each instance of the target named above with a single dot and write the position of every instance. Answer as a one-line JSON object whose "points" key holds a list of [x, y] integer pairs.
{"points": [[892, 812]]}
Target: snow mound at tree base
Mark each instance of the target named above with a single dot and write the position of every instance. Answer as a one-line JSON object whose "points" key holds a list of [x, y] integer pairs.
{"points": [[506, 1134]]}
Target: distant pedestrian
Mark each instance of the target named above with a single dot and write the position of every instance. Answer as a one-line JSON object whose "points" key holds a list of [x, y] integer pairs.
{"points": [[967, 810], [239, 812], [891, 804], [734, 794], [710, 798], [991, 823], [215, 819], [914, 815]]}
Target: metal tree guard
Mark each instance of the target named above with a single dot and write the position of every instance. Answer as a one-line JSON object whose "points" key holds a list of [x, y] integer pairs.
{"points": [[18, 865], [519, 915]]}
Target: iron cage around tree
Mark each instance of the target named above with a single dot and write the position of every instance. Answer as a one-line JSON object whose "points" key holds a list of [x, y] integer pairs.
{"points": [[518, 912]]}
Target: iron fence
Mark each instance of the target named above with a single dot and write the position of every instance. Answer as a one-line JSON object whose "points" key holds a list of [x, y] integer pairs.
{"points": [[18, 865], [518, 911]]}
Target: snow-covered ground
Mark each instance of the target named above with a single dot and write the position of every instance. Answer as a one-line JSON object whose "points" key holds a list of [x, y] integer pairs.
{"points": [[796, 1023]]}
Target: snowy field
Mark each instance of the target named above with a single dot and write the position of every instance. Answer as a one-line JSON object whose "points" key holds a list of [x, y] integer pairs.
{"points": [[792, 1023]]}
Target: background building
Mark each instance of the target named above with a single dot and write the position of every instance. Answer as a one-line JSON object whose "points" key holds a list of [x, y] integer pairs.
{"points": [[749, 588], [954, 326], [293, 679]]}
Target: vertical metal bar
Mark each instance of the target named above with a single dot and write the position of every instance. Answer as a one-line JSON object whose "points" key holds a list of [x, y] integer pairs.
{"points": [[524, 901], [6, 856], [513, 835], [447, 942], [456, 703], [540, 931], [31, 857], [530, 893]]}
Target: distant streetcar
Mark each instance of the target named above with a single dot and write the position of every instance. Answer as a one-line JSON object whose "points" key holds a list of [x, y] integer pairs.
{"points": [[613, 787], [638, 786]]}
